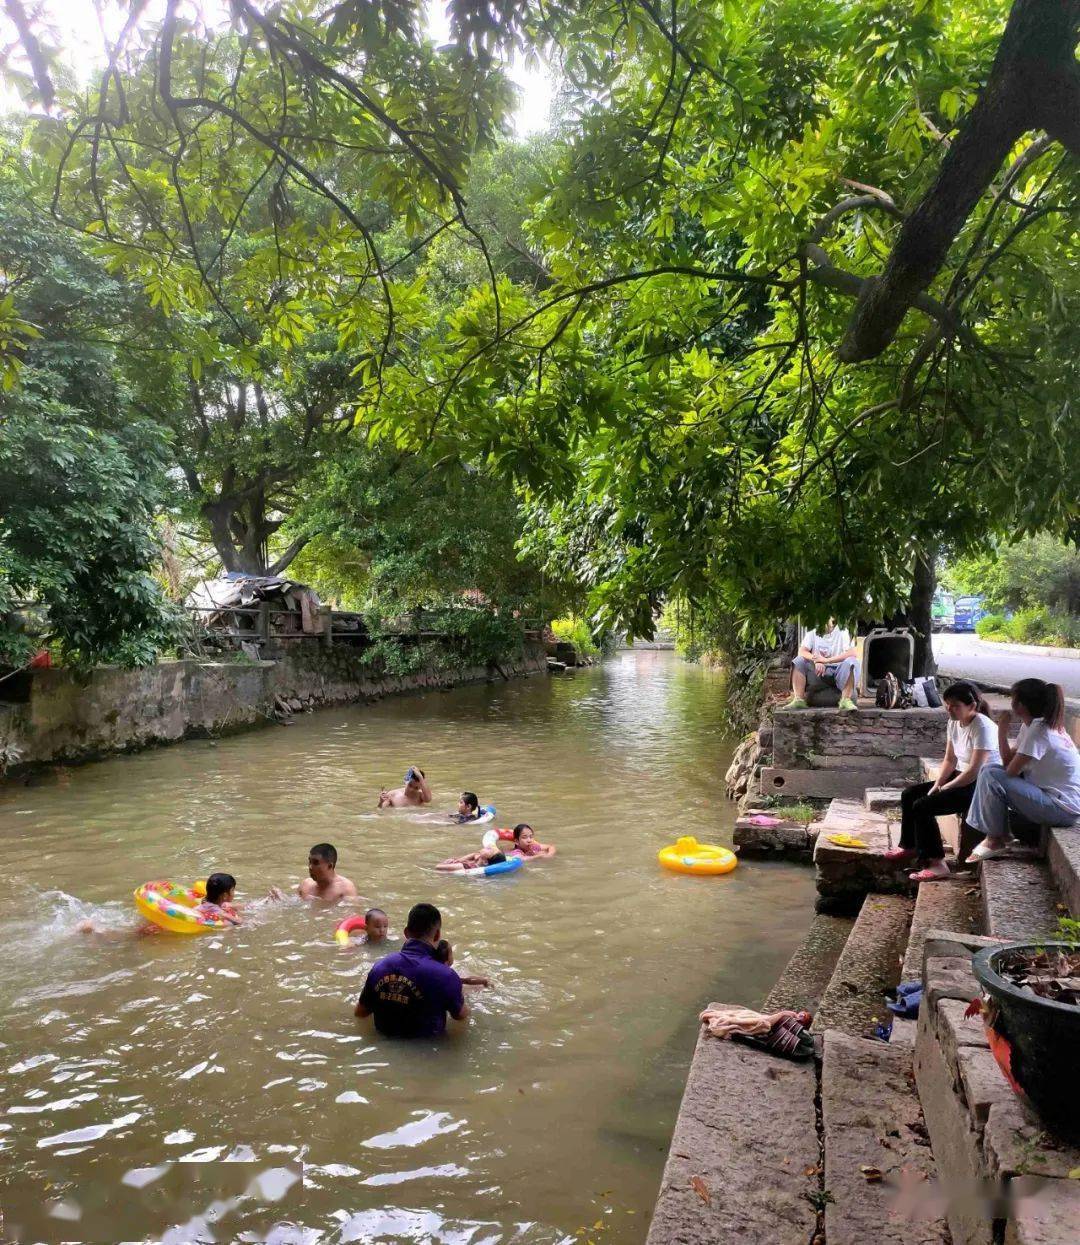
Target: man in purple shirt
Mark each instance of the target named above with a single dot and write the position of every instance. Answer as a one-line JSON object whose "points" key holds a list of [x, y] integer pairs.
{"points": [[410, 992]]}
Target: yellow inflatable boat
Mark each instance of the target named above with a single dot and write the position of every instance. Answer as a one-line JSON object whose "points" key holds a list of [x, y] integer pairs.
{"points": [[690, 856]]}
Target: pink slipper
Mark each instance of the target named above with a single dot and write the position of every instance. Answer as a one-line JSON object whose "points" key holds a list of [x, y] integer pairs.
{"points": [[930, 875], [763, 819], [900, 854]]}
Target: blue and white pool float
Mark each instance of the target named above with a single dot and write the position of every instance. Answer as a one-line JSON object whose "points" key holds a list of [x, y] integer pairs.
{"points": [[489, 871]]}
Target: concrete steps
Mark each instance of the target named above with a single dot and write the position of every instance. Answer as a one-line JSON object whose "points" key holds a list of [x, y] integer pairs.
{"points": [[1063, 857], [868, 966], [744, 1158], [882, 799], [804, 980], [845, 874], [873, 1123], [952, 905], [1019, 899]]}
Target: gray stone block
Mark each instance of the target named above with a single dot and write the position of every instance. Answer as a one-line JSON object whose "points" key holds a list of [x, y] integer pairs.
{"points": [[950, 944], [981, 1082], [868, 966], [1045, 1212], [1016, 1144], [872, 1119], [847, 870], [819, 784], [955, 1143], [803, 981], [948, 977], [1019, 899], [882, 799], [1063, 858], [745, 1138], [886, 733], [955, 1031], [940, 905]]}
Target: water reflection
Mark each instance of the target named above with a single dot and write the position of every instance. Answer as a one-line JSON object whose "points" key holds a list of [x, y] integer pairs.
{"points": [[550, 1114]]}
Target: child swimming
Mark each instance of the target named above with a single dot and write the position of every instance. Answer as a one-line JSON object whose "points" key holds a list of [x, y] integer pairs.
{"points": [[487, 855], [468, 808], [376, 925], [218, 900], [526, 844], [220, 893], [444, 953]]}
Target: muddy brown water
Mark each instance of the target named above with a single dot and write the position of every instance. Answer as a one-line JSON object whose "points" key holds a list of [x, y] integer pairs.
{"points": [[219, 1088]]}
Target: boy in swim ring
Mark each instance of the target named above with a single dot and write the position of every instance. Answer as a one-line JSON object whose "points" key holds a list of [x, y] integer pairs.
{"points": [[376, 925], [489, 854], [444, 953], [526, 845], [468, 808]]}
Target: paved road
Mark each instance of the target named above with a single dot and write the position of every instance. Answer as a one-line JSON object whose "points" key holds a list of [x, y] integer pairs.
{"points": [[966, 656]]}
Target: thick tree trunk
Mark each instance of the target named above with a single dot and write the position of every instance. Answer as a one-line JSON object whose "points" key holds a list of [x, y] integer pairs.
{"points": [[924, 581], [1034, 83]]}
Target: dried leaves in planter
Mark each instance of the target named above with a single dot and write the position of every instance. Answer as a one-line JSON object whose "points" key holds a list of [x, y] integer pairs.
{"points": [[1051, 973]]}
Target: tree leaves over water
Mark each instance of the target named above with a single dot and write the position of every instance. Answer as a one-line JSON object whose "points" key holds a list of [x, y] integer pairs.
{"points": [[656, 352]]}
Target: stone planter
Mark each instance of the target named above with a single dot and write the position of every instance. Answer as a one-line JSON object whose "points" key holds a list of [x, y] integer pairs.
{"points": [[1034, 1040]]}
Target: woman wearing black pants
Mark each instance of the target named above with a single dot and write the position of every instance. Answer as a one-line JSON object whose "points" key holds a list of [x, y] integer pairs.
{"points": [[972, 743]]}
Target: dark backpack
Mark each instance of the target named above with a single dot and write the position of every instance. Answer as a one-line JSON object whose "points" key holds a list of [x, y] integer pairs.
{"points": [[892, 694]]}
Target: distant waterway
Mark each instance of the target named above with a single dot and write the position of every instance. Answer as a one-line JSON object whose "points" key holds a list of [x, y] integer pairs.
{"points": [[219, 1088]]}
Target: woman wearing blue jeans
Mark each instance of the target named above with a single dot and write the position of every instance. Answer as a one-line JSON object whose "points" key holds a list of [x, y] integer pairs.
{"points": [[1039, 778]]}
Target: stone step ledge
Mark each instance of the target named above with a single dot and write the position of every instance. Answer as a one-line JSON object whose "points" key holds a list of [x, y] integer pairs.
{"points": [[804, 980], [868, 966], [1063, 858], [744, 1156], [872, 1119], [1019, 898]]}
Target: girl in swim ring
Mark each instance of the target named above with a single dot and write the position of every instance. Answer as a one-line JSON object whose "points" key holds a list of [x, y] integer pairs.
{"points": [[526, 844]]}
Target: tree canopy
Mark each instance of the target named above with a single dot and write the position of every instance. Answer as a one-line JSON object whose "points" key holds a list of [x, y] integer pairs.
{"points": [[785, 303]]}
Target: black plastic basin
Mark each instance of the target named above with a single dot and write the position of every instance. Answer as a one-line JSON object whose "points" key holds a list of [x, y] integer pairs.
{"points": [[1043, 1038]]}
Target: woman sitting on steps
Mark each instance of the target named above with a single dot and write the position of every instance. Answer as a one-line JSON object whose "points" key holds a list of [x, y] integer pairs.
{"points": [[1039, 778], [971, 744]]}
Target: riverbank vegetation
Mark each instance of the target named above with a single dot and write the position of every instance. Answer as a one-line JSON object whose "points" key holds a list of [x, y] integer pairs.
{"points": [[747, 327]]}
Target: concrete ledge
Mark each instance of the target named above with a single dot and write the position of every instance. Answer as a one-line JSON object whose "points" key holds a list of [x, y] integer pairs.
{"points": [[849, 871], [744, 1141], [1063, 858], [791, 840], [868, 966], [872, 1118], [825, 784], [803, 981], [941, 905], [1019, 899]]}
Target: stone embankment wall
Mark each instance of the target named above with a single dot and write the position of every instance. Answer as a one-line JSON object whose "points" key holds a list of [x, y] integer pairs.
{"points": [[117, 710]]}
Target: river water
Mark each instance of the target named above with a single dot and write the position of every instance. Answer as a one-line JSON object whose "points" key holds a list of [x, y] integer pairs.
{"points": [[219, 1088]]}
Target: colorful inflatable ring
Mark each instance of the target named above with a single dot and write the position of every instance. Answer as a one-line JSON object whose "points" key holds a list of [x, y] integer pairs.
{"points": [[507, 836], [487, 813], [344, 929], [173, 908], [690, 856], [491, 871]]}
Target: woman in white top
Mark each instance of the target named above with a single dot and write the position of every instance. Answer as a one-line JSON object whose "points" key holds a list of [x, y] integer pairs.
{"points": [[1039, 778], [971, 743]]}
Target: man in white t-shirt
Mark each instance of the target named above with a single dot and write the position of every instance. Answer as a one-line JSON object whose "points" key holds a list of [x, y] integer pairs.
{"points": [[827, 658]]}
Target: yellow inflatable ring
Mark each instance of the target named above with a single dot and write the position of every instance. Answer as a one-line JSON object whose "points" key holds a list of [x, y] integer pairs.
{"points": [[690, 856], [173, 908]]}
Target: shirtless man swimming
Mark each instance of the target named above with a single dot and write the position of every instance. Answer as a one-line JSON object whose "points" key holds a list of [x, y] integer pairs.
{"points": [[414, 793], [325, 882]]}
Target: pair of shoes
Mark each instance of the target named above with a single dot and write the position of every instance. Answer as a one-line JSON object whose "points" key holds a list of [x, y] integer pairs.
{"points": [[900, 855], [988, 851], [846, 705], [938, 872], [796, 702]]}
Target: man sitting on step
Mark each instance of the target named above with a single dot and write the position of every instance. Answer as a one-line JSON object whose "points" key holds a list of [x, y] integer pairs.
{"points": [[826, 659]]}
